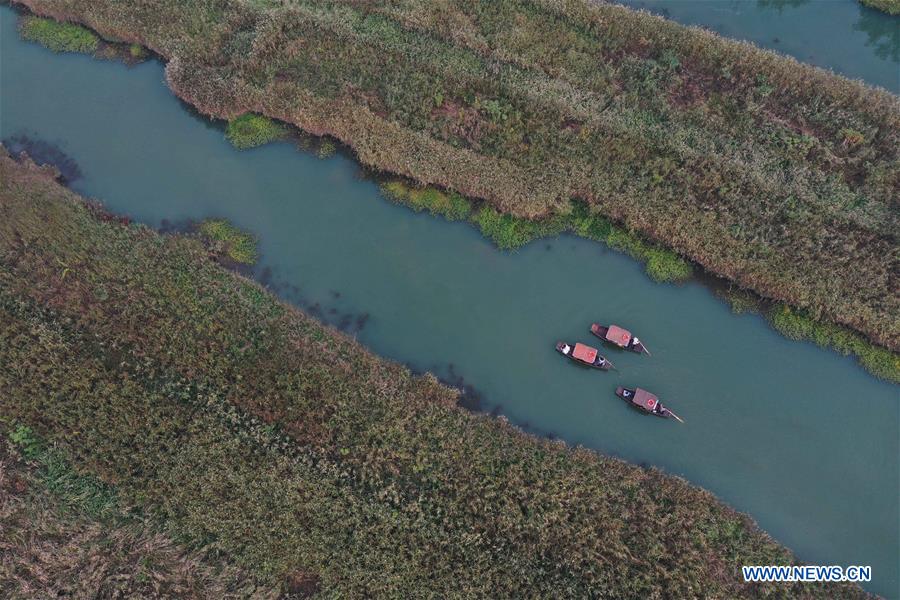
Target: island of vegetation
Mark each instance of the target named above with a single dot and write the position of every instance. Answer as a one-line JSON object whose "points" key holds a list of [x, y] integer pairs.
{"points": [[775, 175], [183, 413]]}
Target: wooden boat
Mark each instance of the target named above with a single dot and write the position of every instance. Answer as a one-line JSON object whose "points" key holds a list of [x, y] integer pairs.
{"points": [[584, 355], [647, 402], [620, 337]]}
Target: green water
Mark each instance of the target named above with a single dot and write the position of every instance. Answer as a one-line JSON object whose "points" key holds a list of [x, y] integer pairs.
{"points": [[842, 35], [801, 438]]}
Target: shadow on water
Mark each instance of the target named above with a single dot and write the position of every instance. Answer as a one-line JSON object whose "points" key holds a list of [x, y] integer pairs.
{"points": [[883, 34], [44, 153], [328, 312], [780, 5]]}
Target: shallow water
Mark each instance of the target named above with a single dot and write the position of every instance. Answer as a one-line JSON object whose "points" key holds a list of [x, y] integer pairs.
{"points": [[801, 438], [841, 35]]}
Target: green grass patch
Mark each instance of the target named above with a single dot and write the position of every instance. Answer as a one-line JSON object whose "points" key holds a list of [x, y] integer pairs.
{"points": [[83, 493], [509, 232], [891, 7], [238, 245], [251, 130], [449, 205], [57, 36]]}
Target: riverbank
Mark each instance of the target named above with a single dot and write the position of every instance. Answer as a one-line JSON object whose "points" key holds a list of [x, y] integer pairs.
{"points": [[253, 430], [891, 7], [669, 135]]}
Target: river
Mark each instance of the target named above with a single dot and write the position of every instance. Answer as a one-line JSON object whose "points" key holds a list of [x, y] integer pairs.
{"points": [[799, 437], [842, 35]]}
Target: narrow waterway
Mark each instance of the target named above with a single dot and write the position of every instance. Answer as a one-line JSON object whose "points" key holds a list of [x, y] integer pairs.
{"points": [[801, 438], [842, 35]]}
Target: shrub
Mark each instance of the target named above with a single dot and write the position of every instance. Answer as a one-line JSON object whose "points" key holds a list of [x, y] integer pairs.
{"points": [[665, 265], [326, 148], [23, 437], [137, 52], [250, 130], [57, 36]]}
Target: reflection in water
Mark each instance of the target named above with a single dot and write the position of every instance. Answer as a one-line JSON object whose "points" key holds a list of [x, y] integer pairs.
{"points": [[883, 34], [780, 5]]}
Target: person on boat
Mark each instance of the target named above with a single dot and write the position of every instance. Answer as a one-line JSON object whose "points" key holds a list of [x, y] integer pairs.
{"points": [[635, 341]]}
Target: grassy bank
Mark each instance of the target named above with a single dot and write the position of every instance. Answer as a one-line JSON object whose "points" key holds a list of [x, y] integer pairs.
{"points": [[63, 534], [770, 173], [253, 431], [510, 232], [61, 36], [800, 325]]}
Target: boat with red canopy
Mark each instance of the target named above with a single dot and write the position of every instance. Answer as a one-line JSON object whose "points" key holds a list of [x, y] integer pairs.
{"points": [[620, 337], [647, 402], [584, 354]]}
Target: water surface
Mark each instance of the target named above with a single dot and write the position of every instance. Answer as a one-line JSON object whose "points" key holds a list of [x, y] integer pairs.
{"points": [[801, 438], [842, 35]]}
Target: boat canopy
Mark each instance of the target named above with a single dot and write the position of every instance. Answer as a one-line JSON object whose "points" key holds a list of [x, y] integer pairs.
{"points": [[585, 353], [617, 335], [645, 399]]}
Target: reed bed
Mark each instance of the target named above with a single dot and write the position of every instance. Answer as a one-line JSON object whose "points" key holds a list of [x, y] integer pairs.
{"points": [[64, 534]]}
